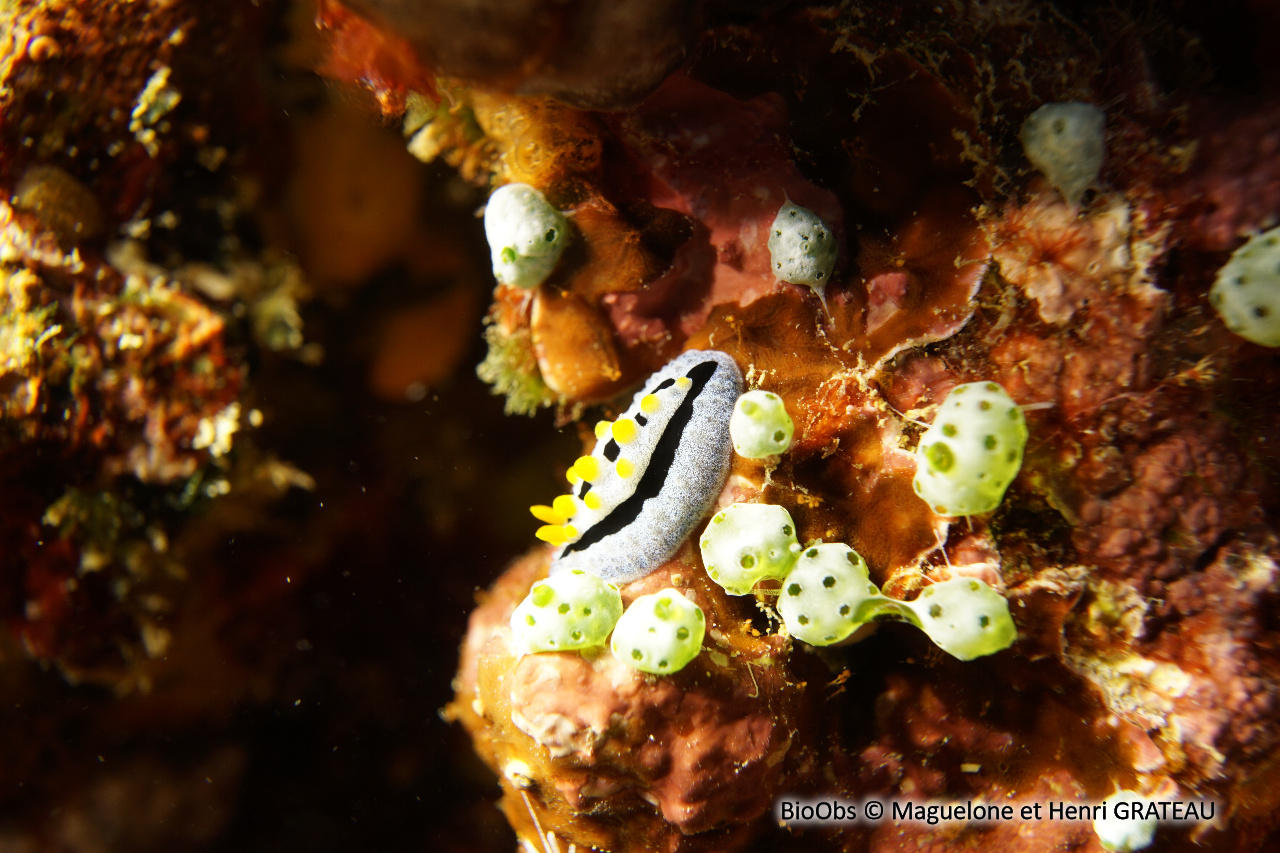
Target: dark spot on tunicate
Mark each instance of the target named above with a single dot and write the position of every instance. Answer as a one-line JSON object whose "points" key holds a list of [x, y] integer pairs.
{"points": [[529, 620], [940, 510], [682, 633], [820, 275], [974, 586], [793, 589], [779, 264], [1261, 311], [1215, 298], [989, 442], [982, 475], [791, 212], [748, 561], [779, 233], [576, 636], [984, 404], [961, 389], [652, 630], [852, 557], [718, 519], [935, 611], [940, 457], [636, 655], [662, 609], [551, 643], [1013, 413], [828, 581], [779, 435], [915, 484], [542, 595], [803, 620], [949, 430], [786, 530], [1240, 280], [844, 610], [812, 552], [991, 386], [551, 235], [698, 614], [662, 664], [563, 608], [1011, 455], [586, 611], [1059, 126], [984, 620]]}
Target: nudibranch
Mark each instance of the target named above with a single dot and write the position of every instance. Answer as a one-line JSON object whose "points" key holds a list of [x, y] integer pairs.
{"points": [[654, 474]]}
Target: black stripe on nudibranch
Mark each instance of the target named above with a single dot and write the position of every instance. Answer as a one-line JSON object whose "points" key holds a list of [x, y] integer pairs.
{"points": [[654, 477], [642, 420]]}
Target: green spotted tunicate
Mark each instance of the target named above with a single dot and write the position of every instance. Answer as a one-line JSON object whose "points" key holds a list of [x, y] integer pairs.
{"points": [[827, 595], [965, 618], [972, 452], [760, 425], [660, 633], [526, 235], [567, 611], [1246, 292], [746, 543]]}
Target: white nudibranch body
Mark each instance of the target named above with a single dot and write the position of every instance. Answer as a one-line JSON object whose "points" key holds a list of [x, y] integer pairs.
{"points": [[972, 452], [1246, 292], [760, 426], [746, 543], [526, 235], [659, 633], [569, 611], [802, 249], [654, 474], [1067, 143]]}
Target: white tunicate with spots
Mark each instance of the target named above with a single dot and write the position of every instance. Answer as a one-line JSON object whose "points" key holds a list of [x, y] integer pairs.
{"points": [[526, 235], [1066, 142], [825, 597], [746, 543], [568, 611], [802, 249], [760, 426], [973, 450], [654, 474], [1124, 834], [659, 633], [1246, 292], [965, 618]]}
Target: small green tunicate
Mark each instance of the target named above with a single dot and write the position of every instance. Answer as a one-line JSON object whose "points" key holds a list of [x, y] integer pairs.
{"points": [[746, 543], [660, 633], [526, 235], [802, 249], [966, 460], [825, 597], [567, 611], [1067, 143], [1125, 834], [1246, 293], [760, 425], [965, 618]]}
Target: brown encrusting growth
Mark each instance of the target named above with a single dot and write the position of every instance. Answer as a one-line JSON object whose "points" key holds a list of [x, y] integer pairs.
{"points": [[251, 487]]}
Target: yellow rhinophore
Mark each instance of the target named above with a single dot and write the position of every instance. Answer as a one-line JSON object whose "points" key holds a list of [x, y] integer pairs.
{"points": [[625, 467], [557, 534], [650, 404], [625, 430], [564, 506], [592, 500]]}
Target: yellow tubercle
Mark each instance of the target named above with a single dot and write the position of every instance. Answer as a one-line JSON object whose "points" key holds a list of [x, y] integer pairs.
{"points": [[602, 430], [570, 533], [553, 533], [625, 430], [573, 477], [547, 515], [565, 507], [650, 404], [683, 383], [625, 467], [588, 468], [592, 500]]}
